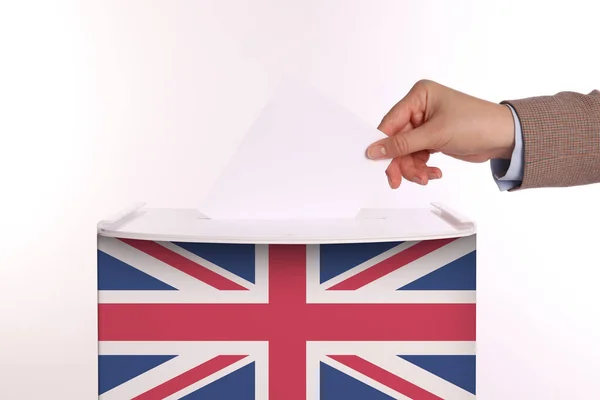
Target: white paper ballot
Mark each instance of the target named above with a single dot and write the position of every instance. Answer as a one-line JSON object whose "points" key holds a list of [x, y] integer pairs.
{"points": [[304, 157]]}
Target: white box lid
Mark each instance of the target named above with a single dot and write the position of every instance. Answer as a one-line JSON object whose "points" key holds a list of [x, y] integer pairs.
{"points": [[371, 225]]}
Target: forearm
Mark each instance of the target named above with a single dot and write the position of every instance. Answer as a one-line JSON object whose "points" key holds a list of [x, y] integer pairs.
{"points": [[561, 139]]}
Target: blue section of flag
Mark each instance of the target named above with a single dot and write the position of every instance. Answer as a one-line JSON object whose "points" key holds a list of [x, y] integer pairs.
{"points": [[113, 370], [338, 258], [238, 385], [456, 369], [460, 274], [238, 259], [336, 385], [114, 274]]}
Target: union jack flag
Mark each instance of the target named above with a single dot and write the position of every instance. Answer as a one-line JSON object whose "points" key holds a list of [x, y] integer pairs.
{"points": [[182, 320]]}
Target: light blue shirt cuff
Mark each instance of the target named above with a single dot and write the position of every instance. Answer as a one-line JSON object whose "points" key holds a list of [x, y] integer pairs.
{"points": [[509, 173]]}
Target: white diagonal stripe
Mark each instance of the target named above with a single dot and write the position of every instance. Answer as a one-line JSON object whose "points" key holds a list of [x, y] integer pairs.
{"points": [[211, 378], [422, 266], [367, 264], [420, 377], [384, 355], [316, 294], [206, 264], [150, 379], [202, 293], [190, 354], [362, 378], [150, 265]]}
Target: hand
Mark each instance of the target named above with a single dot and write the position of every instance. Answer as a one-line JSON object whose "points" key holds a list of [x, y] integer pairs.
{"points": [[433, 118]]}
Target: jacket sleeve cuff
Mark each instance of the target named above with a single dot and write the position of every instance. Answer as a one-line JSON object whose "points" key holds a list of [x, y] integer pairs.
{"points": [[508, 174]]}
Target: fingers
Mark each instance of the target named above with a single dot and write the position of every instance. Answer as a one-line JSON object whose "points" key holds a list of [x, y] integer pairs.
{"points": [[421, 159], [394, 174], [434, 173], [412, 168], [402, 144]]}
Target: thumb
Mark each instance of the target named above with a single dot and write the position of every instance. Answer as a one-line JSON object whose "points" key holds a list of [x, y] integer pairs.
{"points": [[402, 143]]}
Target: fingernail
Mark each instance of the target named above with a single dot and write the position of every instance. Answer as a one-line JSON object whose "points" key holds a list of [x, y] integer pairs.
{"points": [[418, 180], [377, 151]]}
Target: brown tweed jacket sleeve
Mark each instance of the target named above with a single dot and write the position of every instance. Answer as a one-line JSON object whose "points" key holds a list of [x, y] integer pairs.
{"points": [[561, 139]]}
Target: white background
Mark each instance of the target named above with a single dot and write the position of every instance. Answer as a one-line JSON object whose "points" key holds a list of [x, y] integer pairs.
{"points": [[106, 103]]}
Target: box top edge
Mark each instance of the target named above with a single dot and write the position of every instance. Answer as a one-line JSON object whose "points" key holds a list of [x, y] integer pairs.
{"points": [[371, 225]]}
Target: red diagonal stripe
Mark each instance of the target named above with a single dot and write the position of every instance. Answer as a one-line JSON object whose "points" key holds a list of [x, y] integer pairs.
{"points": [[184, 264], [385, 377], [391, 264], [188, 378]]}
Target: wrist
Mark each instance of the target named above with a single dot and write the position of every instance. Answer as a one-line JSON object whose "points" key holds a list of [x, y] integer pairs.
{"points": [[504, 132]]}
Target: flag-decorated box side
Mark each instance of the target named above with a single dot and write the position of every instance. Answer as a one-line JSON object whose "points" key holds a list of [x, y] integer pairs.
{"points": [[188, 320]]}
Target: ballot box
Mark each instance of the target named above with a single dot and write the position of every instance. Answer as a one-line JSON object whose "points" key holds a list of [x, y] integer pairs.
{"points": [[381, 306]]}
